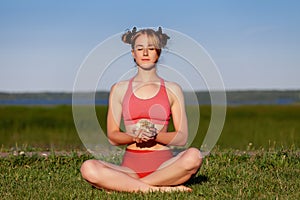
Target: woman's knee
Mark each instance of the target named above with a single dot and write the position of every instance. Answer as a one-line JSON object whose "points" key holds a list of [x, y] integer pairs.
{"points": [[89, 169], [192, 159]]}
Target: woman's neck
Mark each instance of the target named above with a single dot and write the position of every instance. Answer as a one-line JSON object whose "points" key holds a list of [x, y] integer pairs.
{"points": [[146, 75]]}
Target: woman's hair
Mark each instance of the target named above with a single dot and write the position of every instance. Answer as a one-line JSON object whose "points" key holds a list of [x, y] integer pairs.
{"points": [[157, 38]]}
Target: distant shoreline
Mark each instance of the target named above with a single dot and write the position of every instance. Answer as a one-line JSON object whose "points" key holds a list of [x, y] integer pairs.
{"points": [[247, 97]]}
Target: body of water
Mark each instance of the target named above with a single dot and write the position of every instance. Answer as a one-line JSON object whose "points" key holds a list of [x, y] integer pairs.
{"points": [[32, 102], [101, 98], [29, 102]]}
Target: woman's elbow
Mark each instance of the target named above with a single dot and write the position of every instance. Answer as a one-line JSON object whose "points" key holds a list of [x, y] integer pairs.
{"points": [[112, 142], [181, 141]]}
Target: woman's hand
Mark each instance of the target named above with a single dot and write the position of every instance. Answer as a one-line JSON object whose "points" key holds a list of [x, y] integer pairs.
{"points": [[142, 135]]}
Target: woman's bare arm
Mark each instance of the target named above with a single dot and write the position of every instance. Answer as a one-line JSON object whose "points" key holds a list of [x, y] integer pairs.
{"points": [[115, 135]]}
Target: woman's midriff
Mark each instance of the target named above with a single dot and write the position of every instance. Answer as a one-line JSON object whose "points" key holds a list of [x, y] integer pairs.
{"points": [[153, 148]]}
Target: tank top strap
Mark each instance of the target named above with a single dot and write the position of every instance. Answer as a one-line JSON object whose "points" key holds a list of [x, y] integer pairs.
{"points": [[162, 82], [128, 92], [129, 88], [163, 85]]}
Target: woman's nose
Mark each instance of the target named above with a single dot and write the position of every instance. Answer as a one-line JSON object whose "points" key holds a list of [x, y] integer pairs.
{"points": [[145, 53]]}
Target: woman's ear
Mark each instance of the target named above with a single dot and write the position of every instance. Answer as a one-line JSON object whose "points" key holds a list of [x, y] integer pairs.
{"points": [[132, 53]]}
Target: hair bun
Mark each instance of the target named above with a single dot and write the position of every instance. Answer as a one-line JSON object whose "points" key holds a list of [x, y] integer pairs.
{"points": [[162, 37], [127, 37]]}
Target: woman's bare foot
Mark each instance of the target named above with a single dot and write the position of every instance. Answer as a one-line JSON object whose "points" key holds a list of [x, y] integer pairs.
{"points": [[179, 188], [184, 188]]}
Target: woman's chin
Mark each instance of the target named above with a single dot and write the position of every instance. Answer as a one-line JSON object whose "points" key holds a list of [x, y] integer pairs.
{"points": [[147, 66]]}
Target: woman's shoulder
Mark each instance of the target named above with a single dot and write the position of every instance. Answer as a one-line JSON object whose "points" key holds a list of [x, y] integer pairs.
{"points": [[118, 91], [173, 86], [174, 91], [120, 86]]}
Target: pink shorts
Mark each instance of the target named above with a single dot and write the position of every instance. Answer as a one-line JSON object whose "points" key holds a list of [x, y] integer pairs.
{"points": [[145, 162]]}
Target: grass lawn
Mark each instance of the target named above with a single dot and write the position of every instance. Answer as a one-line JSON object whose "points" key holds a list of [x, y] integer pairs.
{"points": [[258, 156], [53, 127], [225, 174]]}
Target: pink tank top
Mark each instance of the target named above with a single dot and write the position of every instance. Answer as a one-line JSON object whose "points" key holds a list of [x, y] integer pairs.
{"points": [[156, 109]]}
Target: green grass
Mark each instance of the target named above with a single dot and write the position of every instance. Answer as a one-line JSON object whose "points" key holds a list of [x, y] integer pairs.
{"points": [[262, 126], [257, 156], [45, 127], [227, 174], [245, 127]]}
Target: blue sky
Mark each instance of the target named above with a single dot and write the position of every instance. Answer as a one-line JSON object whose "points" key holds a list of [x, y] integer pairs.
{"points": [[255, 44]]}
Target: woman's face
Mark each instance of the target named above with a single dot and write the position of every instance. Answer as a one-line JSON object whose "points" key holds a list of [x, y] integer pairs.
{"points": [[144, 52]]}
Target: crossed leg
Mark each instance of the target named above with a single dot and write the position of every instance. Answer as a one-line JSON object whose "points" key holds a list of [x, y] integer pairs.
{"points": [[171, 173]]}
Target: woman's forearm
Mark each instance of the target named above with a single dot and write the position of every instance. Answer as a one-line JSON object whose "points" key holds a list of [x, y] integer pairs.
{"points": [[178, 138], [119, 138]]}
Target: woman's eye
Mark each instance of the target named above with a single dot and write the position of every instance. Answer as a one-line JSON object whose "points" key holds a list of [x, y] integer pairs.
{"points": [[151, 48], [139, 49]]}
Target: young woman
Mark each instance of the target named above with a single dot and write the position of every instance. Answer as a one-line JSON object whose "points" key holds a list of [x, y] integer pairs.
{"points": [[146, 102]]}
